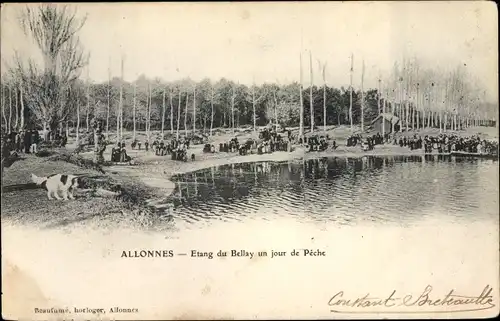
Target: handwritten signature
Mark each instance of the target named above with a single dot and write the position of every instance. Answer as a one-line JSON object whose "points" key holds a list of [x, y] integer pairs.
{"points": [[424, 302]]}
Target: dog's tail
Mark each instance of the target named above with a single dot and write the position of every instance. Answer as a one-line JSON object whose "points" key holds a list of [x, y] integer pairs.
{"points": [[38, 180]]}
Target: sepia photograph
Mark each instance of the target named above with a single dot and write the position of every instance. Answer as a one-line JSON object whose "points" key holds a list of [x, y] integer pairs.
{"points": [[235, 160]]}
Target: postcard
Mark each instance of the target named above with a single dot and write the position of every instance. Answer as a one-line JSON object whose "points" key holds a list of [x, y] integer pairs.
{"points": [[249, 160]]}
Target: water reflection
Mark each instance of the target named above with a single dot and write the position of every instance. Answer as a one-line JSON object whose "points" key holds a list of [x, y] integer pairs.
{"points": [[345, 190]]}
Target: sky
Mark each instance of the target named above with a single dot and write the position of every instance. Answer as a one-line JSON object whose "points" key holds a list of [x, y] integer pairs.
{"points": [[262, 41]]}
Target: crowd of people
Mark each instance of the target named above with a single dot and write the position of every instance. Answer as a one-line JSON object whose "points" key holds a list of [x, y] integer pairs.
{"points": [[24, 141], [414, 142], [442, 143], [366, 143], [177, 148], [119, 154], [318, 143], [28, 140], [452, 143], [270, 141], [447, 143], [273, 141]]}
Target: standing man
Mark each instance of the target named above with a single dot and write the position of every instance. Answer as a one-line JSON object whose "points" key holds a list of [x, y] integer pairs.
{"points": [[34, 141], [27, 141]]}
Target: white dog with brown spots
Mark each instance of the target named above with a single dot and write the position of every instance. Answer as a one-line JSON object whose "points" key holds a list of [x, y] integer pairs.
{"points": [[54, 183]]}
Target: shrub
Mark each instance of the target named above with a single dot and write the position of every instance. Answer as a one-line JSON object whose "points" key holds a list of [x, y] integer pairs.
{"points": [[44, 153]]}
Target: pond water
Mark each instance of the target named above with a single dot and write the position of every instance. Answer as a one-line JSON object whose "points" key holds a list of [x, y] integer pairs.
{"points": [[377, 190]]}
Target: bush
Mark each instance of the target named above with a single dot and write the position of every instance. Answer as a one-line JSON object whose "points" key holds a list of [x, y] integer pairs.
{"points": [[77, 160], [44, 153]]}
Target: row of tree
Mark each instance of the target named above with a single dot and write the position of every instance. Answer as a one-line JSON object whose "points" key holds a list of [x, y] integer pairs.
{"points": [[54, 95], [151, 104]]}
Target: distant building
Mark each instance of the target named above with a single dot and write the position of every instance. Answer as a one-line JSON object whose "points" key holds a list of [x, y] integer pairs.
{"points": [[387, 118]]}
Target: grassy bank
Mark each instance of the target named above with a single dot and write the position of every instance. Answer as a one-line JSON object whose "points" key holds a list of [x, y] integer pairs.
{"points": [[105, 200]]}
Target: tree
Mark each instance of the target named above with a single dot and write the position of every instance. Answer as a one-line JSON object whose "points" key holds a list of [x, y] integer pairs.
{"points": [[119, 120], [54, 29], [108, 92], [311, 102], [134, 106], [163, 114], [362, 97], [178, 113], [212, 96], [233, 97], [3, 106], [322, 67], [350, 92], [301, 102], [194, 108], [254, 101]]}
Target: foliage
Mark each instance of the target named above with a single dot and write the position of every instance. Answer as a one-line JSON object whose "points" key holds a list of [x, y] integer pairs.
{"points": [[54, 95], [49, 89]]}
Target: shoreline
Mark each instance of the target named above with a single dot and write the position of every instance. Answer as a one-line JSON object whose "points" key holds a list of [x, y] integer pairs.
{"points": [[152, 166]]}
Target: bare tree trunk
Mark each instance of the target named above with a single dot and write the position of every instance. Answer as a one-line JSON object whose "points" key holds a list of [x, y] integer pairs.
{"points": [[406, 112], [413, 117], [253, 106], [148, 133], [441, 124], [77, 119], [350, 92], [134, 112], [212, 113], [9, 128], [16, 107], [171, 92], [22, 105], [107, 113], [163, 115], [178, 114], [88, 107], [362, 98], [311, 103], [324, 97], [379, 93], [393, 112], [430, 105], [275, 108], [417, 106], [185, 114], [87, 118], [120, 106], [194, 109], [407, 96], [146, 116], [3, 107], [232, 110], [301, 124]]}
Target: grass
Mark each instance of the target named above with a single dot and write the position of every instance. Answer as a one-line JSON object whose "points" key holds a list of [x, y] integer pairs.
{"points": [[25, 203]]}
